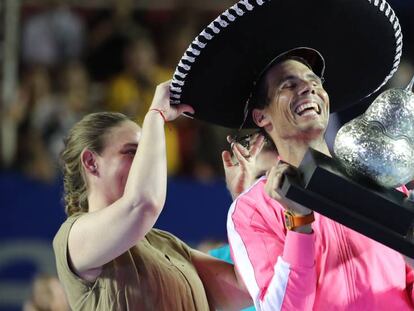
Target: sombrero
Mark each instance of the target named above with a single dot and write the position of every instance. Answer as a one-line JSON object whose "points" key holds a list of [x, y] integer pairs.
{"points": [[361, 42]]}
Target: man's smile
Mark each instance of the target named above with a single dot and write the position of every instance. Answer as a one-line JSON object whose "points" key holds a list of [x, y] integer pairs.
{"points": [[307, 107]]}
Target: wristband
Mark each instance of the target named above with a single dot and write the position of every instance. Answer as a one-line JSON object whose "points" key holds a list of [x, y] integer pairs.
{"points": [[160, 112]]}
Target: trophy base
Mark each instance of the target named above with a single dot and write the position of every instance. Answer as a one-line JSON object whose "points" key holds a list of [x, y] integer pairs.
{"points": [[384, 215]]}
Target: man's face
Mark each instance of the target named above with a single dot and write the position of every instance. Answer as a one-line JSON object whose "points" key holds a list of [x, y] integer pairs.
{"points": [[299, 105]]}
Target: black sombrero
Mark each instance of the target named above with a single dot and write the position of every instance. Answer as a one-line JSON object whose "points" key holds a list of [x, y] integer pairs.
{"points": [[361, 42]]}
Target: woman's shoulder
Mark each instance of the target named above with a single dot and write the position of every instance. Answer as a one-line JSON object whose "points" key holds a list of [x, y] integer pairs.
{"points": [[63, 232]]}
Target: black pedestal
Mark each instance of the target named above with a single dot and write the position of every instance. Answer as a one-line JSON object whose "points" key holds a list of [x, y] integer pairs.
{"points": [[379, 213]]}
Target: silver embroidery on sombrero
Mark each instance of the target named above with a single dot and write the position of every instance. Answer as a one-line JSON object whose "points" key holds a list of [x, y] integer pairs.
{"points": [[384, 6], [180, 74], [206, 35], [200, 42], [188, 58], [175, 88], [214, 28], [194, 52], [238, 10], [246, 3], [221, 22], [230, 17], [177, 82], [184, 66]]}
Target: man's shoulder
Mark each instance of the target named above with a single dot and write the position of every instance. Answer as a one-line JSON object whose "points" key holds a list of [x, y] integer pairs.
{"points": [[256, 196], [254, 191]]}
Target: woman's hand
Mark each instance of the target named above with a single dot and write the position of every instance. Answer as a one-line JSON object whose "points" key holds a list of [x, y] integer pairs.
{"points": [[161, 102], [243, 173]]}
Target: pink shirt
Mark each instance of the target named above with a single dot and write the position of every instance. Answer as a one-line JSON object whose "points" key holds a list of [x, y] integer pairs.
{"points": [[335, 268]]}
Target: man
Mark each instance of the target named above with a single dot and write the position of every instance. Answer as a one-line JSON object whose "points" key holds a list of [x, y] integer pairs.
{"points": [[231, 77], [317, 263]]}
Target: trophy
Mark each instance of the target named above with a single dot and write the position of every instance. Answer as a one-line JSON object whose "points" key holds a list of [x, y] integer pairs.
{"points": [[380, 143], [373, 155]]}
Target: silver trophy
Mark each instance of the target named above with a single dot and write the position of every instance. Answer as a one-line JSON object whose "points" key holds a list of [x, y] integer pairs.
{"points": [[379, 144]]}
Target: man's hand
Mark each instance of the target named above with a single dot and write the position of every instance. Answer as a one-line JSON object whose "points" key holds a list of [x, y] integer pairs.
{"points": [[161, 101], [274, 182], [243, 173]]}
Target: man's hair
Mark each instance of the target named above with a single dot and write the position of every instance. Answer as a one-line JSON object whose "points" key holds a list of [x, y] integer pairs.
{"points": [[260, 96]]}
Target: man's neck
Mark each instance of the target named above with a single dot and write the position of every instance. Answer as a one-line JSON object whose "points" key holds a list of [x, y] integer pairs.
{"points": [[293, 151]]}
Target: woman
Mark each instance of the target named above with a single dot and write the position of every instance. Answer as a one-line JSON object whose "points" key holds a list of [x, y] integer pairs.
{"points": [[108, 255]]}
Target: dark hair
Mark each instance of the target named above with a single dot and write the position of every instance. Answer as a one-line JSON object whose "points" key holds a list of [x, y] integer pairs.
{"points": [[260, 95], [88, 133]]}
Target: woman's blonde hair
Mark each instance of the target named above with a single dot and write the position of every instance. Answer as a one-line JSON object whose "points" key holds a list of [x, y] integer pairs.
{"points": [[88, 133]]}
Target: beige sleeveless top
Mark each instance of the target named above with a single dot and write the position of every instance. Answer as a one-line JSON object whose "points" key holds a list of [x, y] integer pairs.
{"points": [[156, 274]]}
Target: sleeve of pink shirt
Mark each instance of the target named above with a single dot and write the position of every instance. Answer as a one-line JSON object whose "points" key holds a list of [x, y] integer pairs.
{"points": [[410, 270], [277, 266], [410, 283]]}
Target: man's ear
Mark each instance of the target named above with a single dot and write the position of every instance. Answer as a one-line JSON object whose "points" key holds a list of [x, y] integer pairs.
{"points": [[89, 163], [260, 117]]}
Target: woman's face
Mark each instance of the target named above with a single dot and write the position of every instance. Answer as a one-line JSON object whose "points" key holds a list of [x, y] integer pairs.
{"points": [[115, 160]]}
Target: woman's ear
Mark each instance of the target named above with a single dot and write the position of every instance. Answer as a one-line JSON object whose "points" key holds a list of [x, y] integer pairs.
{"points": [[89, 163], [260, 117]]}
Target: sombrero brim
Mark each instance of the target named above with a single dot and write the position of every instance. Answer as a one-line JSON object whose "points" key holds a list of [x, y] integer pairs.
{"points": [[360, 40]]}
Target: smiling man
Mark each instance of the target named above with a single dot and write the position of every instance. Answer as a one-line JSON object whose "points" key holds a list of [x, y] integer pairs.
{"points": [[291, 105], [237, 74], [289, 257]]}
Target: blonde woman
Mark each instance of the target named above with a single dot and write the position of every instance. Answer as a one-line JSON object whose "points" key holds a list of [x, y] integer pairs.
{"points": [[108, 255]]}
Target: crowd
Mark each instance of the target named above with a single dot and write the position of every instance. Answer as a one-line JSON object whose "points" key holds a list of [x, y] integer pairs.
{"points": [[75, 61]]}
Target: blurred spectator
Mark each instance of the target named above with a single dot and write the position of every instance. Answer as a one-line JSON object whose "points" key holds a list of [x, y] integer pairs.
{"points": [[109, 32], [54, 118], [176, 36], [47, 295], [53, 36], [130, 92], [209, 244], [43, 117], [31, 157], [210, 140]]}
